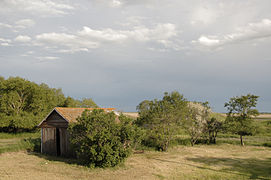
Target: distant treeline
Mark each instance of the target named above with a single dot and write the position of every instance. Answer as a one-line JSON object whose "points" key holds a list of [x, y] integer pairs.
{"points": [[23, 104]]}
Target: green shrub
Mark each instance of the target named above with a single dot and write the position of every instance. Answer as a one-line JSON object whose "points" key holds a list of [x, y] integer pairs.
{"points": [[32, 144], [99, 140], [181, 141], [162, 119], [267, 144]]}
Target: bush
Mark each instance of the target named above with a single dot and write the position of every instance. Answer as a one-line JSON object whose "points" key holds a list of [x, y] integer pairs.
{"points": [[162, 119], [32, 144], [267, 144], [99, 140]]}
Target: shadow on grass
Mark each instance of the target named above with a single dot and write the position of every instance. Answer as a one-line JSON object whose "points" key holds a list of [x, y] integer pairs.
{"points": [[66, 160], [70, 161], [251, 168], [254, 168]]}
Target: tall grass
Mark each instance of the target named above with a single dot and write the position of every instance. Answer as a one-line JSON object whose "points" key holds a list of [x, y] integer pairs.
{"points": [[19, 135], [21, 141]]}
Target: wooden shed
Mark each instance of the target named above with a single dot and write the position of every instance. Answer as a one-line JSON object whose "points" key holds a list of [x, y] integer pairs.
{"points": [[54, 133]]}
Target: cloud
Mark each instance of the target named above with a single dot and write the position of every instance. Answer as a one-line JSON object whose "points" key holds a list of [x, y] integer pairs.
{"points": [[42, 7], [89, 38], [48, 58], [72, 42], [140, 34], [28, 53], [204, 15], [5, 42], [252, 31], [20, 24], [5, 25], [116, 3], [24, 23], [102, 35], [22, 38], [122, 3], [208, 41]]}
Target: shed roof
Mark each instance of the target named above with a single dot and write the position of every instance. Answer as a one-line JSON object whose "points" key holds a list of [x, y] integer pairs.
{"points": [[71, 114]]}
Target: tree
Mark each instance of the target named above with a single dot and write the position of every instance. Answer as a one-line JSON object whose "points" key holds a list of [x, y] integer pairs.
{"points": [[200, 124], [162, 118], [99, 140], [211, 124], [194, 123], [23, 103], [88, 103], [212, 128], [70, 102], [85, 103], [239, 116]]}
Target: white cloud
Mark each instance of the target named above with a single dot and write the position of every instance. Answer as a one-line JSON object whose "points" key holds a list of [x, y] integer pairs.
{"points": [[24, 23], [208, 41], [88, 38], [162, 32], [103, 35], [48, 58], [5, 25], [252, 31], [121, 3], [116, 3], [72, 42], [22, 38], [42, 7], [5, 42]]}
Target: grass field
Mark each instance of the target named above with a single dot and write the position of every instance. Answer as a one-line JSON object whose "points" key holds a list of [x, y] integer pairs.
{"points": [[15, 142], [182, 162], [226, 160]]}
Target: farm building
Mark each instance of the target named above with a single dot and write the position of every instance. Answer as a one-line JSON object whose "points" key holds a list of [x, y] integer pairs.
{"points": [[54, 133]]}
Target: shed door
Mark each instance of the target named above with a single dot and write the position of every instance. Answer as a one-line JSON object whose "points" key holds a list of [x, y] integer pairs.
{"points": [[58, 150], [49, 141]]}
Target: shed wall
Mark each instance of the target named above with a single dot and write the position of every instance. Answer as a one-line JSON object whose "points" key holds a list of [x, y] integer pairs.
{"points": [[55, 120], [49, 141], [65, 147], [49, 135]]}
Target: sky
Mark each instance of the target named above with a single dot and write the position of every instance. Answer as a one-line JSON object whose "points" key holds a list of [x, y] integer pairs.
{"points": [[121, 52]]}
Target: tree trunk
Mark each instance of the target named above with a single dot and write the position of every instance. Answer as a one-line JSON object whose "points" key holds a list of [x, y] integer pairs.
{"points": [[215, 137], [210, 138], [241, 138], [192, 142]]}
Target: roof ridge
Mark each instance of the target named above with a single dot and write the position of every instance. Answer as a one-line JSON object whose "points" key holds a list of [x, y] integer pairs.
{"points": [[82, 108]]}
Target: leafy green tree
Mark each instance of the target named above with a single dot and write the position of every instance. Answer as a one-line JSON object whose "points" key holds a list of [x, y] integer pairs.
{"points": [[211, 124], [2, 79], [70, 102], [162, 118], [99, 140], [194, 125], [200, 124], [213, 127], [85, 103], [239, 117], [88, 103], [23, 103]]}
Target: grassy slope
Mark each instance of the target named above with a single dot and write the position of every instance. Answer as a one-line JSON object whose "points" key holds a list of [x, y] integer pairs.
{"points": [[182, 162], [14, 142]]}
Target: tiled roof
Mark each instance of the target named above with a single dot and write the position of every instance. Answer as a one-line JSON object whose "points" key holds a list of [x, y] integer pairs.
{"points": [[71, 114]]}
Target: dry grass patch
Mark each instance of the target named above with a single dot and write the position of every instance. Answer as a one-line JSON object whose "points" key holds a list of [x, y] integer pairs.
{"points": [[182, 162]]}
